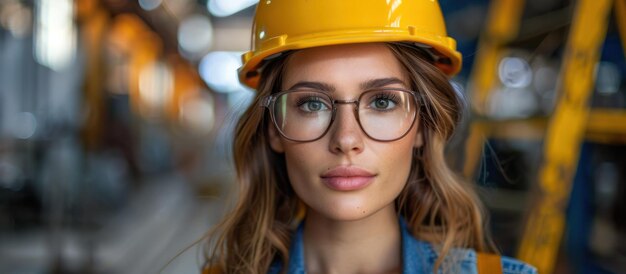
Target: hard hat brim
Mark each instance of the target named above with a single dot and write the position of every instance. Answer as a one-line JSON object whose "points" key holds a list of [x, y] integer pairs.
{"points": [[443, 46]]}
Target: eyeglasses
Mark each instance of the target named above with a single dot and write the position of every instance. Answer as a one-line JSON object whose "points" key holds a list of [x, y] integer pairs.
{"points": [[306, 115]]}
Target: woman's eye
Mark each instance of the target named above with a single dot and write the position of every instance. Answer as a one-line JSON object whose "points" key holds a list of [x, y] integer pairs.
{"points": [[312, 105], [382, 104]]}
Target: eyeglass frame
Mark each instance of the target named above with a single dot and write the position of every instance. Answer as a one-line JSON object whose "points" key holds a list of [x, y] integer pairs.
{"points": [[269, 101]]}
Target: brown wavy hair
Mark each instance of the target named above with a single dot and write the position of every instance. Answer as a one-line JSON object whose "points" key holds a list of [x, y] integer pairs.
{"points": [[439, 206]]}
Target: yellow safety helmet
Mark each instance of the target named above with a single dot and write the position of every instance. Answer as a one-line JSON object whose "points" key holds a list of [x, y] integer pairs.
{"points": [[282, 25]]}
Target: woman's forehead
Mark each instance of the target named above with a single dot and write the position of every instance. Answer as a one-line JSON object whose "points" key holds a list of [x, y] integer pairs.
{"points": [[344, 66]]}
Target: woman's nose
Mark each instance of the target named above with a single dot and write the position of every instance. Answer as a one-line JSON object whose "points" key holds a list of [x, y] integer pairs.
{"points": [[345, 134]]}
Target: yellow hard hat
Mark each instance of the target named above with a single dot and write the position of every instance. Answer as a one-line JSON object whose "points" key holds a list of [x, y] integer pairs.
{"points": [[282, 25]]}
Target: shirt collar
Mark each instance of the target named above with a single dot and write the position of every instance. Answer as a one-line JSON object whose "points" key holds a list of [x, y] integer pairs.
{"points": [[417, 256]]}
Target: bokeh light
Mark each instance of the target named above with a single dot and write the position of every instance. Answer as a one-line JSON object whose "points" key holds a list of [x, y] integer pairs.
{"points": [[219, 70], [195, 36], [222, 8]]}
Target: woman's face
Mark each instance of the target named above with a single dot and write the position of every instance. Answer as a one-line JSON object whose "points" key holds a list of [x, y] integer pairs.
{"points": [[345, 175]]}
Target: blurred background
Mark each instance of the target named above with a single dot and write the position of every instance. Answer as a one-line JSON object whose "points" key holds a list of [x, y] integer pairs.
{"points": [[116, 120]]}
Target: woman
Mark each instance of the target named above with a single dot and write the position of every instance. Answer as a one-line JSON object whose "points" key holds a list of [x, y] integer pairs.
{"points": [[340, 157]]}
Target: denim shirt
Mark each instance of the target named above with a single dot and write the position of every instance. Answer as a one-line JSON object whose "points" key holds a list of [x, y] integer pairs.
{"points": [[418, 257]]}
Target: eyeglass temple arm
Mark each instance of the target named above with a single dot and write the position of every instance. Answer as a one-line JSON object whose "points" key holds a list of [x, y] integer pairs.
{"points": [[266, 101]]}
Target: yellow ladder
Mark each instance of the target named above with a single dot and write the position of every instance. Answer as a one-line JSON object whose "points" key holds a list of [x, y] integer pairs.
{"points": [[572, 117]]}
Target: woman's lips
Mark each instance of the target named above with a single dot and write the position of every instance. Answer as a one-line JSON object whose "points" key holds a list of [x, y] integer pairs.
{"points": [[346, 178]]}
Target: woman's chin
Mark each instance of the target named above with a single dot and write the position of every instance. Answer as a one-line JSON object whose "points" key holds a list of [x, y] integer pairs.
{"points": [[348, 215], [346, 212]]}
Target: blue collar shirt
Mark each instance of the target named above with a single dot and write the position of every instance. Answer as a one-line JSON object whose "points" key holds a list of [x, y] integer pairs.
{"points": [[418, 257]]}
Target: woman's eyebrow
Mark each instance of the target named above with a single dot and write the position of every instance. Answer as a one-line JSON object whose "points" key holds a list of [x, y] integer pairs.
{"points": [[381, 82], [370, 84], [313, 85]]}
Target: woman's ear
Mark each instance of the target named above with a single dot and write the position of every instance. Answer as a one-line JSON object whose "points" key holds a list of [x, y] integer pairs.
{"points": [[276, 142]]}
